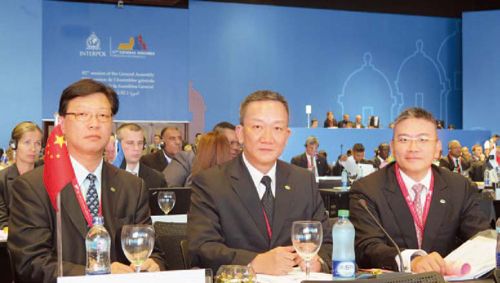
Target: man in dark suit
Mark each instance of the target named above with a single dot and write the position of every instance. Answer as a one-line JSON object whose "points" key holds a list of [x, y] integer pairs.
{"points": [[422, 206], [86, 113], [330, 122], [382, 153], [171, 144], [242, 211], [454, 161], [132, 141], [311, 160], [358, 124], [344, 123]]}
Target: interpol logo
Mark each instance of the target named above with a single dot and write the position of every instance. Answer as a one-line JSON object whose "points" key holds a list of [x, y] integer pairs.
{"points": [[93, 47]]}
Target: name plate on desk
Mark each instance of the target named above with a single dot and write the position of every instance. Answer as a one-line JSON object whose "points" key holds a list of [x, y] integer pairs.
{"points": [[184, 276]]}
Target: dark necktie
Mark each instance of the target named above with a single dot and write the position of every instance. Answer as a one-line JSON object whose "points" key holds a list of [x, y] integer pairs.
{"points": [[268, 200], [92, 199]]}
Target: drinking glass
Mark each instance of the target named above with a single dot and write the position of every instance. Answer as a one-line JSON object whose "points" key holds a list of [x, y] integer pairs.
{"points": [[307, 237], [166, 201], [137, 243]]}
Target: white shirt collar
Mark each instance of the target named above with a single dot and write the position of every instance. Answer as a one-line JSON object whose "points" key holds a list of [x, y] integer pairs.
{"points": [[409, 183], [135, 171], [257, 177], [81, 174], [166, 156]]}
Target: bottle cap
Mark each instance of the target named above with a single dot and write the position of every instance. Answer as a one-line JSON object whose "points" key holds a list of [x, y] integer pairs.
{"points": [[343, 213]]}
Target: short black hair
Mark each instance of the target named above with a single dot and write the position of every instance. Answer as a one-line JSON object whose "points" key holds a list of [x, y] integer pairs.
{"points": [[86, 87], [358, 148], [168, 128], [224, 125]]}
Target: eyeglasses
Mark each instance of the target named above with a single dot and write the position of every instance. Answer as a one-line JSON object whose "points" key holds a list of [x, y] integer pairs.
{"points": [[85, 117], [418, 140]]}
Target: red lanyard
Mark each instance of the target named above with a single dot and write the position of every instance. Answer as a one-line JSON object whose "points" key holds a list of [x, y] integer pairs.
{"points": [[409, 201], [83, 203], [459, 162], [267, 223], [498, 159]]}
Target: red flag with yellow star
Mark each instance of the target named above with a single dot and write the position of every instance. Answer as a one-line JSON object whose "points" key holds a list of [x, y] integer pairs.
{"points": [[58, 171]]}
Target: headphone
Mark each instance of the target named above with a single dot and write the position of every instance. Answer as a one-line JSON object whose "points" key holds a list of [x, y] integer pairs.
{"points": [[162, 145], [13, 144]]}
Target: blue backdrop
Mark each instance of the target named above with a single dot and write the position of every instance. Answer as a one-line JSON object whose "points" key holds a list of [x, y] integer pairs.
{"points": [[141, 52], [481, 59], [348, 62]]}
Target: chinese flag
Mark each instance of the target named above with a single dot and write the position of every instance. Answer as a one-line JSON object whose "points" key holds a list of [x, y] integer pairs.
{"points": [[58, 171]]}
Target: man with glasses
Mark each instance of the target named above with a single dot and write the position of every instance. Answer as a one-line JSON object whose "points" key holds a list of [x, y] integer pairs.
{"points": [[311, 160], [424, 208], [86, 113]]}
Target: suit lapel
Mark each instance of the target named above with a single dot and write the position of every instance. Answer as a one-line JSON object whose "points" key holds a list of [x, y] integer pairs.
{"points": [[70, 205], [242, 184], [283, 200], [143, 174], [401, 212], [437, 212]]}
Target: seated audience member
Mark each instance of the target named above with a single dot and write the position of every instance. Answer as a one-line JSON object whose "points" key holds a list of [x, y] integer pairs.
{"points": [[358, 153], [312, 161], [196, 141], [180, 169], [214, 149], [132, 140], [383, 152], [314, 123], [86, 111], [155, 146], [454, 161], [26, 141], [391, 126], [242, 210], [476, 171], [477, 151], [451, 127], [357, 123], [490, 144], [330, 122], [345, 122], [465, 153], [424, 208], [110, 150], [170, 145]]}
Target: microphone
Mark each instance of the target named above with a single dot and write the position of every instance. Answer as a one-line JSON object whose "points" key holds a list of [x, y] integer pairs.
{"points": [[363, 204]]}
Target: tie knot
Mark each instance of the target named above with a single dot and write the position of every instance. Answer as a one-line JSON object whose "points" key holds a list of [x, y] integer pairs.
{"points": [[266, 180], [418, 188], [91, 177]]}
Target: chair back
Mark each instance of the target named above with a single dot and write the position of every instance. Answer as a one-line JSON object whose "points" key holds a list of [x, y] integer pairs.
{"points": [[170, 235]]}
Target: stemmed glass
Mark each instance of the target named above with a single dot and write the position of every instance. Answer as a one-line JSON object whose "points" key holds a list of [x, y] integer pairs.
{"points": [[307, 237], [137, 243], [166, 201]]}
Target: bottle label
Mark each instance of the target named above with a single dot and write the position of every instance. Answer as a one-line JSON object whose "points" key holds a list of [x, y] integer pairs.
{"points": [[498, 259], [343, 184], [343, 269]]}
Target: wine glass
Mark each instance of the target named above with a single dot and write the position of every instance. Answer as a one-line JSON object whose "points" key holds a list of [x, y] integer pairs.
{"points": [[166, 201], [137, 243], [307, 237]]}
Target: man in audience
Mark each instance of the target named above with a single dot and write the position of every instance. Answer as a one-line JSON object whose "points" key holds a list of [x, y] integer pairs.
{"points": [[110, 150], [466, 154], [382, 153], [330, 122], [454, 161], [345, 122], [477, 151], [311, 160], [490, 144], [358, 124], [181, 166], [155, 146], [171, 144], [314, 123], [409, 187], [358, 153], [132, 140], [86, 112], [242, 210]]}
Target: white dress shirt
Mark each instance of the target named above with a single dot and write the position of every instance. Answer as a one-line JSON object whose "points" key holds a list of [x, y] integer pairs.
{"points": [[81, 174], [166, 156], [134, 171], [257, 177], [315, 164]]}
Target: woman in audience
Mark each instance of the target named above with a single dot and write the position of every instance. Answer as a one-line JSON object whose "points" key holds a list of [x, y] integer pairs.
{"points": [[213, 149], [26, 143]]}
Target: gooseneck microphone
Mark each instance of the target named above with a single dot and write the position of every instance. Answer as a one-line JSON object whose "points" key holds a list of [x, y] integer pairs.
{"points": [[363, 204]]}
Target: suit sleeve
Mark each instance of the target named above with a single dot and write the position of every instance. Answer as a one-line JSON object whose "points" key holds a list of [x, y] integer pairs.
{"points": [[143, 216], [31, 238], [176, 173], [371, 245], [205, 233], [4, 215]]}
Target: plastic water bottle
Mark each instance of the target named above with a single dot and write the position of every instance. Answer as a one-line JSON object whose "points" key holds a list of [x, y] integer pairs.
{"points": [[487, 177], [343, 182], [98, 245], [343, 257], [498, 244]]}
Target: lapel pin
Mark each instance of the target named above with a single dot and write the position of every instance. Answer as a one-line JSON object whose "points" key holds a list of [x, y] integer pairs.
{"points": [[113, 189], [287, 187], [442, 201]]}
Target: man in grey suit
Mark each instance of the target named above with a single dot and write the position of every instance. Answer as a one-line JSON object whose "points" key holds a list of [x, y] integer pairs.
{"points": [[242, 211], [423, 207], [86, 113]]}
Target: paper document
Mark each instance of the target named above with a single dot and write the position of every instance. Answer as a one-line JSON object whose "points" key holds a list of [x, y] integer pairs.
{"points": [[479, 252], [350, 165]]}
